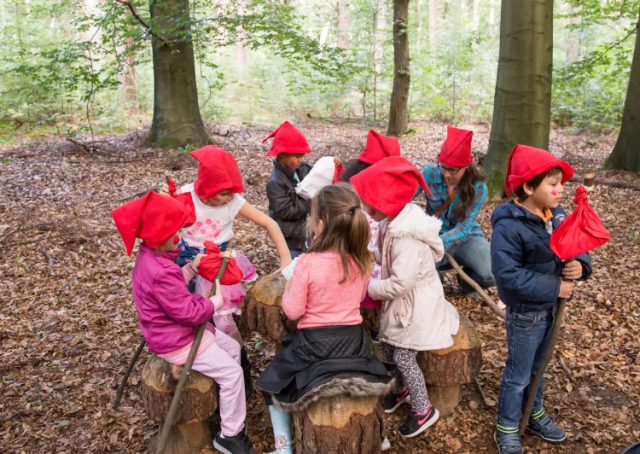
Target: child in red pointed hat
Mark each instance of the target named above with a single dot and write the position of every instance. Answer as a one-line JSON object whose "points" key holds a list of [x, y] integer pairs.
{"points": [[377, 147], [415, 316], [168, 314], [458, 193], [529, 278], [286, 207]]}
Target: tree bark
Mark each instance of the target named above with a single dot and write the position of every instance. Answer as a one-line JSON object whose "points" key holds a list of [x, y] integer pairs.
{"points": [[130, 92], [626, 152], [398, 114], [433, 14], [176, 113], [522, 102], [378, 50], [573, 44], [343, 24]]}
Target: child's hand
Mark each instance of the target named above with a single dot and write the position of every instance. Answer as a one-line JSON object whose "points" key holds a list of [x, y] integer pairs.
{"points": [[566, 289], [572, 270], [217, 299], [195, 263], [337, 161]]}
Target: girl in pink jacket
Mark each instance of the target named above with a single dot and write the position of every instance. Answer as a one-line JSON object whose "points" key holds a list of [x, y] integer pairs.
{"points": [[168, 314]]}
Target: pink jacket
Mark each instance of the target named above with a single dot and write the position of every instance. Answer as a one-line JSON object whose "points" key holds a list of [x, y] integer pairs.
{"points": [[167, 312]]}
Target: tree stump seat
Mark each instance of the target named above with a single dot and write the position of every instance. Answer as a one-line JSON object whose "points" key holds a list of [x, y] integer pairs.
{"points": [[446, 370], [198, 401]]}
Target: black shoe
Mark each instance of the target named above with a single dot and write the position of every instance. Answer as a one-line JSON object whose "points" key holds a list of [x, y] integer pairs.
{"points": [[240, 444], [393, 400], [415, 423], [246, 372]]}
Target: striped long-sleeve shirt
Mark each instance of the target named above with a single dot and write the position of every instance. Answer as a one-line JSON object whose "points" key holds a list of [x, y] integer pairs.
{"points": [[453, 231]]}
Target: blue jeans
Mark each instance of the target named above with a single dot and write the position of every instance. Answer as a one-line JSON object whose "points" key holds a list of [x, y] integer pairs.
{"points": [[474, 256], [528, 335]]}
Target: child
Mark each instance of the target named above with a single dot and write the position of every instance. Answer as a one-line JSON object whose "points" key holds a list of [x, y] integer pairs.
{"points": [[415, 315], [458, 192], [286, 207], [168, 313], [324, 295], [529, 280], [378, 147]]}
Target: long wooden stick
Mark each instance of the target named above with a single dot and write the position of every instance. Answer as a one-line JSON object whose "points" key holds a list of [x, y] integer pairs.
{"points": [[186, 369], [132, 363]]}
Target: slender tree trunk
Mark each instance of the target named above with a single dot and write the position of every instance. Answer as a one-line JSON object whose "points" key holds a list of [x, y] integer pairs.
{"points": [[626, 152], [522, 102], [492, 17], [129, 85], [475, 20], [343, 24], [176, 113], [433, 14], [378, 50], [418, 27], [573, 45], [398, 114], [241, 50]]}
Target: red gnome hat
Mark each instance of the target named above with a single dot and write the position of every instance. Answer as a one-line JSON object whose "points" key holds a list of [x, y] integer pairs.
{"points": [[456, 148], [389, 184], [217, 171], [210, 264], [287, 139], [153, 218], [581, 232], [379, 147], [526, 162]]}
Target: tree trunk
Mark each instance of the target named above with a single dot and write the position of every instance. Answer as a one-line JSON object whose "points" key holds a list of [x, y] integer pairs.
{"points": [[573, 44], [522, 102], [176, 113], [398, 114], [130, 92], [340, 425], [378, 50], [343, 24], [241, 50], [475, 19], [626, 152], [433, 14]]}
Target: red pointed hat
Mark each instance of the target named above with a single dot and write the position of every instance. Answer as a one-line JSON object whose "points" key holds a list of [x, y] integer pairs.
{"points": [[287, 139], [526, 162], [154, 218], [456, 148], [210, 264], [217, 171], [379, 147], [581, 232], [389, 184]]}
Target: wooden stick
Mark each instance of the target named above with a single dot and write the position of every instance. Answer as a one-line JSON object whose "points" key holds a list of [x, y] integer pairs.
{"points": [[132, 363], [186, 369], [487, 299]]}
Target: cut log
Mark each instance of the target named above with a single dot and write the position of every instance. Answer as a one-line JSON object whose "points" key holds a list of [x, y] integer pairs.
{"points": [[262, 311], [198, 401], [342, 424], [445, 370]]}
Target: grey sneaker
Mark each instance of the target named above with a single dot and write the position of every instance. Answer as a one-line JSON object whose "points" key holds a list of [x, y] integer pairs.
{"points": [[240, 444], [545, 428], [508, 443]]}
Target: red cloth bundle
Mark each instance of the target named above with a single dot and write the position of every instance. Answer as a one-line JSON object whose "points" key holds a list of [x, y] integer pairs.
{"points": [[210, 265], [581, 232]]}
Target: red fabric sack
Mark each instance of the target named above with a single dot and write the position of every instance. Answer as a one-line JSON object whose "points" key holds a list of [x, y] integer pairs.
{"points": [[210, 265]]}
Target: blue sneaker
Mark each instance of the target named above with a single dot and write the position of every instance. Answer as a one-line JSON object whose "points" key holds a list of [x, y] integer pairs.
{"points": [[508, 443], [544, 427]]}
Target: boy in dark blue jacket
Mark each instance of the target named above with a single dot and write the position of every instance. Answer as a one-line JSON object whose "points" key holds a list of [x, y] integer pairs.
{"points": [[530, 279]]}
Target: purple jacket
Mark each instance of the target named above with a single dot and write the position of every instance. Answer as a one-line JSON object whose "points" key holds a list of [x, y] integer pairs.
{"points": [[167, 312]]}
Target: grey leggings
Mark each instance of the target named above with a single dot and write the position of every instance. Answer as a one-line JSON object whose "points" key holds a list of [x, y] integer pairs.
{"points": [[408, 374]]}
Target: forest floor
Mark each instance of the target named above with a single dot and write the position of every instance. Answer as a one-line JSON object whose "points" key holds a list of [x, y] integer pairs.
{"points": [[68, 326]]}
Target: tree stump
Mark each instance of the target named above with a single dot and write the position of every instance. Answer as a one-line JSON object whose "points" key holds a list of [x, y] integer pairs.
{"points": [[447, 369], [338, 425], [198, 401], [262, 311]]}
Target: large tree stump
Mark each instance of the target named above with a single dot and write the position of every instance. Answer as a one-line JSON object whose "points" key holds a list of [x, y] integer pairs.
{"points": [[198, 401], [447, 369], [338, 425], [262, 311]]}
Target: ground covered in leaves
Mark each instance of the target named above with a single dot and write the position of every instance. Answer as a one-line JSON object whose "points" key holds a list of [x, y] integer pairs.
{"points": [[68, 325]]}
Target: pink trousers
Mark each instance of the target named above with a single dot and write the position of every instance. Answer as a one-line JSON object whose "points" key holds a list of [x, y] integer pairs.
{"points": [[221, 362]]}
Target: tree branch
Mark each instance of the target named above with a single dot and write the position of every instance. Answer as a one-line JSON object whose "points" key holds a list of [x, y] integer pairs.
{"points": [[135, 14]]}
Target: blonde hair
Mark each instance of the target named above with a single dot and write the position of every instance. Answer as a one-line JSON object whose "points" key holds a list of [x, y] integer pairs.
{"points": [[345, 227]]}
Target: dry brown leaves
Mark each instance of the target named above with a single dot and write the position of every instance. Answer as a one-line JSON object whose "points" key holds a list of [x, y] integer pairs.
{"points": [[68, 326]]}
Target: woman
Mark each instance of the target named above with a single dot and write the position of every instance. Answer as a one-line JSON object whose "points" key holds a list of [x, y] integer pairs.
{"points": [[458, 192]]}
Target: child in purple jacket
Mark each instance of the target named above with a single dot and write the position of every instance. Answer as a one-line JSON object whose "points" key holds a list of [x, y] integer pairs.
{"points": [[168, 314]]}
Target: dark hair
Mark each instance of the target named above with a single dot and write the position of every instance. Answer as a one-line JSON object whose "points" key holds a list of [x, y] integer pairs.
{"points": [[345, 227], [467, 191], [535, 182], [352, 168]]}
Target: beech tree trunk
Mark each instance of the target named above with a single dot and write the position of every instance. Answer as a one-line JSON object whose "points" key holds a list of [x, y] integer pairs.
{"points": [[433, 15], [130, 91], [343, 24], [626, 152], [176, 113], [522, 102], [398, 114]]}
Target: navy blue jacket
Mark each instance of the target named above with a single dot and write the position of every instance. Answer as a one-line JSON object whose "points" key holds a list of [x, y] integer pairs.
{"points": [[527, 272]]}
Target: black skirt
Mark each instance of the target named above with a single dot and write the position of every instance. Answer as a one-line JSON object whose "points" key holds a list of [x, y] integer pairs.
{"points": [[316, 355]]}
